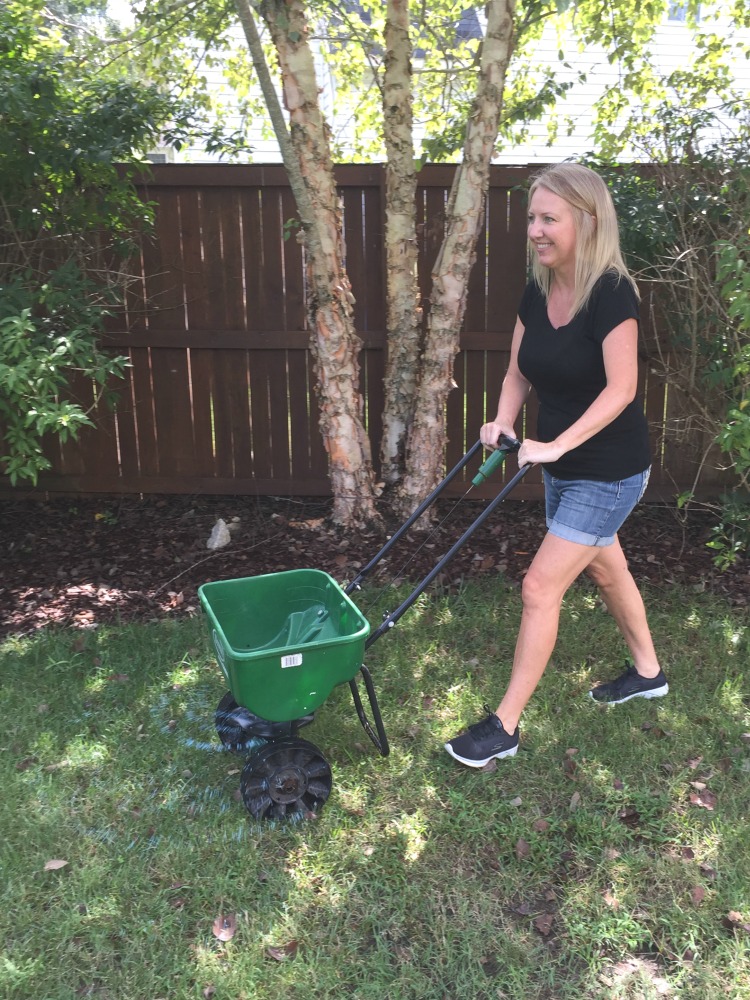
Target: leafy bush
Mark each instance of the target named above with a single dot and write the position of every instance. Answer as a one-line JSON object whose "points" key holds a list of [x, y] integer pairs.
{"points": [[69, 215], [684, 226]]}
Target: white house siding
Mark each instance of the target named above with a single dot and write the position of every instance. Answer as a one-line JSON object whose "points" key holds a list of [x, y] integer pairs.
{"points": [[672, 49]]}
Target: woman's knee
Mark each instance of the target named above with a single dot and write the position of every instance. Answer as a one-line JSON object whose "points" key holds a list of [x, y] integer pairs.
{"points": [[539, 590], [608, 570]]}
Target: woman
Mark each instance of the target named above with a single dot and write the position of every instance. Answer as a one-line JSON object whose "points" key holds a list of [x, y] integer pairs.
{"points": [[575, 343]]}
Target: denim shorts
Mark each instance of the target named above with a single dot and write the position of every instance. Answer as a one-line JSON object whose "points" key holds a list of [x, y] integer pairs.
{"points": [[590, 512]]}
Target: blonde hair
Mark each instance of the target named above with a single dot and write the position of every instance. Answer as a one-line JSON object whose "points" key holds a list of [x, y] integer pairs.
{"points": [[595, 220]]}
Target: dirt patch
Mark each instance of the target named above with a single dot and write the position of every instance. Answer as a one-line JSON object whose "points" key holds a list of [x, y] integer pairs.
{"points": [[88, 560]]}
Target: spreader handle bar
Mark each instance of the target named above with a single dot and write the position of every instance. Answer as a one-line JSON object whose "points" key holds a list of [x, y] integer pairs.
{"points": [[392, 618], [506, 446]]}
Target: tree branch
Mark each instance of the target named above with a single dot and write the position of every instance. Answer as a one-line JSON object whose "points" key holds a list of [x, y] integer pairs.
{"points": [[276, 112]]}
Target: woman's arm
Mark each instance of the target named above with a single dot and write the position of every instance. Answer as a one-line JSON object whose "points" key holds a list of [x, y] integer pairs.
{"points": [[513, 395], [620, 351]]}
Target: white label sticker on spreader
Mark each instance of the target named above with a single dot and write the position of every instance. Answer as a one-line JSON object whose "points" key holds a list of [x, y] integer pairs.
{"points": [[291, 661]]}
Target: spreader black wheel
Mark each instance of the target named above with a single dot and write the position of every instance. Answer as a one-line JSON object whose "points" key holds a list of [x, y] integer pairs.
{"points": [[234, 724], [239, 728], [288, 777]]}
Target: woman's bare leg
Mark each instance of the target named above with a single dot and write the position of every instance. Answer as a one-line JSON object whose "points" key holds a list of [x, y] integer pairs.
{"points": [[609, 571], [555, 566]]}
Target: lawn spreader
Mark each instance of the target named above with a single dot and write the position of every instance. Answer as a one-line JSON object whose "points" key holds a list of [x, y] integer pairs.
{"points": [[284, 640]]}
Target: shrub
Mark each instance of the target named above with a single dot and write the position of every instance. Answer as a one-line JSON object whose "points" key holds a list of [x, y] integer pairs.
{"points": [[69, 216]]}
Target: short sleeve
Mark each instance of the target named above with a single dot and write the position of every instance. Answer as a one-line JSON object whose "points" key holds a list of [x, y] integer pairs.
{"points": [[613, 302], [531, 294]]}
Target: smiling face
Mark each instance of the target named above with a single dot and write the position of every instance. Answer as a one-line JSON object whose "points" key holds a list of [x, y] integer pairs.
{"points": [[552, 230]]}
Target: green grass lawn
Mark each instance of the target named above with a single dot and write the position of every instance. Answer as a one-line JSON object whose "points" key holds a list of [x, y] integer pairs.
{"points": [[609, 858]]}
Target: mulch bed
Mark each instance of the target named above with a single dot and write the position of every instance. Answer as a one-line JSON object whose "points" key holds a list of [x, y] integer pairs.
{"points": [[84, 561]]}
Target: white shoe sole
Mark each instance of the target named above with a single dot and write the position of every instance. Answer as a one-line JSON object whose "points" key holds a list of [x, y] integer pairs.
{"points": [[654, 693], [480, 763]]}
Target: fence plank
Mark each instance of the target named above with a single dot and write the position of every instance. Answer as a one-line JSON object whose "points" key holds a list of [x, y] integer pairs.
{"points": [[172, 413], [201, 399], [220, 396]]}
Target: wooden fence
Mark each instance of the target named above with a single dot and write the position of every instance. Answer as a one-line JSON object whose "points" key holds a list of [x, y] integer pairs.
{"points": [[219, 395]]}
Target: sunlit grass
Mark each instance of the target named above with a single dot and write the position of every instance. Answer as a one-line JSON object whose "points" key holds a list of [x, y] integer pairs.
{"points": [[581, 868]]}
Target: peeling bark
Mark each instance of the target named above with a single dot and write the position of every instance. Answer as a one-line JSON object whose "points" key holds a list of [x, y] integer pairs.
{"points": [[402, 290], [334, 341], [450, 276]]}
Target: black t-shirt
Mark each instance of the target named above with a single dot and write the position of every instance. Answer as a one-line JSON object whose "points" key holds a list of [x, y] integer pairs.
{"points": [[566, 368]]}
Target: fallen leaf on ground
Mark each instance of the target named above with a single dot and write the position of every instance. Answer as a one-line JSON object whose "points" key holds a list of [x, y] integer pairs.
{"points": [[540, 826], [570, 767], [225, 927], [282, 952], [734, 921], [705, 799], [629, 816], [543, 923], [523, 850], [55, 864], [575, 801], [698, 894]]}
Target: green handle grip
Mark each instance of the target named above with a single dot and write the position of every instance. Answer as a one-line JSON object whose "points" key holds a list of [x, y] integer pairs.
{"points": [[495, 460]]}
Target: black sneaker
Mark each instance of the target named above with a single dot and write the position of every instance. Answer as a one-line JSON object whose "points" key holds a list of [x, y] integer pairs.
{"points": [[630, 685], [484, 741]]}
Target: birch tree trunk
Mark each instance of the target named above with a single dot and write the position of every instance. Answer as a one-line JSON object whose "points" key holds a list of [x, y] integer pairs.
{"points": [[335, 344], [450, 277], [404, 312]]}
